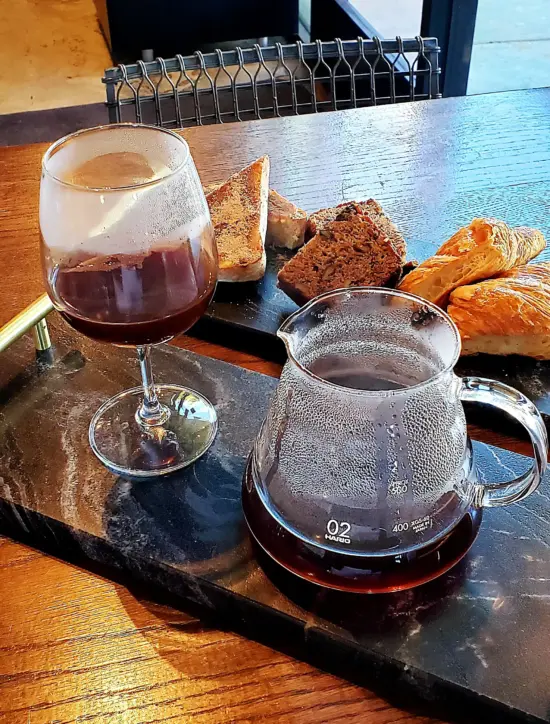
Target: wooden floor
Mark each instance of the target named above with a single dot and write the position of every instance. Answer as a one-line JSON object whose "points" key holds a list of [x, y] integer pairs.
{"points": [[52, 54]]}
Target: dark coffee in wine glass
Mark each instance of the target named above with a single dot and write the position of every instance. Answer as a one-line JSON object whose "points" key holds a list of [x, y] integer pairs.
{"points": [[99, 294], [129, 258]]}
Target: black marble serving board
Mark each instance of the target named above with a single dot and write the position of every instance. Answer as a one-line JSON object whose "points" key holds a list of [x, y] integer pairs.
{"points": [[472, 646]]}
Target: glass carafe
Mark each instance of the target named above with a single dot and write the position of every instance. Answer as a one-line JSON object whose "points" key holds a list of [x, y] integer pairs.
{"points": [[362, 476]]}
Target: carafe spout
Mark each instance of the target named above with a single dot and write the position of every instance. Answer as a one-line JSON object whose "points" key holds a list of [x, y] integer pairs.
{"points": [[289, 331], [287, 339], [295, 330]]}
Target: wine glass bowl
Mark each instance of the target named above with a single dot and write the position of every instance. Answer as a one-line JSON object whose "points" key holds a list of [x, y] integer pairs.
{"points": [[129, 258]]}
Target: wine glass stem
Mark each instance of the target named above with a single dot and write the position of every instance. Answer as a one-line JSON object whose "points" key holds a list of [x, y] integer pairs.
{"points": [[150, 412]]}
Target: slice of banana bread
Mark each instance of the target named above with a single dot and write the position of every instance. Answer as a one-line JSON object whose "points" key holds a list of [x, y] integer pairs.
{"points": [[370, 208], [348, 253]]}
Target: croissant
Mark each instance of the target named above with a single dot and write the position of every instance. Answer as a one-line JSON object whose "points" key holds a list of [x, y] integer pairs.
{"points": [[506, 315], [479, 251]]}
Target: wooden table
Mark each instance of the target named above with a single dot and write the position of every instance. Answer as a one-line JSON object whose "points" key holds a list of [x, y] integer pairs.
{"points": [[76, 647]]}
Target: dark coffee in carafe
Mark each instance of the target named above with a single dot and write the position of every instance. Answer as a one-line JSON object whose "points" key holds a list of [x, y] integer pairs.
{"points": [[362, 476], [349, 572]]}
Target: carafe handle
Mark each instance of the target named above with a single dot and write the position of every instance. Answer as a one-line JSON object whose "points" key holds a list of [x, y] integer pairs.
{"points": [[510, 400]]}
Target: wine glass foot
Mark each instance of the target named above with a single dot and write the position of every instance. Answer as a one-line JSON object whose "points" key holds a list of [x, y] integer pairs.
{"points": [[127, 448]]}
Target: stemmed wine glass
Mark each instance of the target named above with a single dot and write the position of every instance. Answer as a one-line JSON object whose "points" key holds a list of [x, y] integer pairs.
{"points": [[129, 257]]}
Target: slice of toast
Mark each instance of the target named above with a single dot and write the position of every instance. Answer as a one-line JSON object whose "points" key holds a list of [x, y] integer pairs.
{"points": [[239, 215], [286, 222], [208, 188]]}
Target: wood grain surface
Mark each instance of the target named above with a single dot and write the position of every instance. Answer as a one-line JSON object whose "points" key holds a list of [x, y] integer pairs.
{"points": [[75, 647]]}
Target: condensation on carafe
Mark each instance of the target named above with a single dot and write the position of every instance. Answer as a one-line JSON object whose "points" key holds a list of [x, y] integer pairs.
{"points": [[335, 452]]}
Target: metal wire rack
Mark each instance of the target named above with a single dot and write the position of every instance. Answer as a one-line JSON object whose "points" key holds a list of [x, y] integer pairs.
{"points": [[264, 82]]}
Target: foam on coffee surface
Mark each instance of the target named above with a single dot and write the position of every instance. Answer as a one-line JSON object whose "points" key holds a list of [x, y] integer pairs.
{"points": [[160, 153], [114, 170], [95, 210]]}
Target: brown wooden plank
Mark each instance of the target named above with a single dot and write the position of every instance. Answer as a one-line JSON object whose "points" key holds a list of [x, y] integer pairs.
{"points": [[75, 647]]}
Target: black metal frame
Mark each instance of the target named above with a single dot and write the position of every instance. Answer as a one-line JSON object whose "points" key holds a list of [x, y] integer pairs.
{"points": [[338, 19], [184, 26], [452, 22], [340, 14]]}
